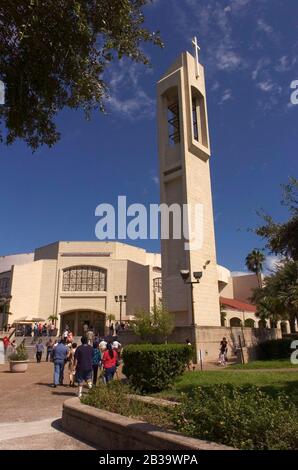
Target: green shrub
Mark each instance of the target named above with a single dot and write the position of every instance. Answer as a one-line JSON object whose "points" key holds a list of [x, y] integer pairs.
{"points": [[241, 417], [113, 397], [152, 368], [20, 354], [275, 349]]}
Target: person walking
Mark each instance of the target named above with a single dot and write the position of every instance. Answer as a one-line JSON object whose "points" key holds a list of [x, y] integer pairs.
{"points": [[59, 356], [49, 345], [90, 335], [190, 364], [71, 364], [96, 361], [83, 365], [109, 362], [6, 343], [52, 328], [70, 337], [85, 329], [223, 351], [39, 350], [111, 329]]}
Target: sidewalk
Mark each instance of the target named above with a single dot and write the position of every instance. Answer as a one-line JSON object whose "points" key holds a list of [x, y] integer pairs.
{"points": [[30, 410]]}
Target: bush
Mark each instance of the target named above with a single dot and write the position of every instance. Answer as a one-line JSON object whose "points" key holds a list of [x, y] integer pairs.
{"points": [[241, 417], [152, 368], [20, 354], [275, 349], [154, 326], [113, 397]]}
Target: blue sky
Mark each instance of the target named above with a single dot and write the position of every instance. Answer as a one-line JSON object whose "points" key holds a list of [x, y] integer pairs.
{"points": [[250, 52]]}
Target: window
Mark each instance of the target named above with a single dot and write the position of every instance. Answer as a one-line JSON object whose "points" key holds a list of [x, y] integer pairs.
{"points": [[84, 278], [157, 283], [195, 119], [199, 124], [4, 285], [174, 123]]}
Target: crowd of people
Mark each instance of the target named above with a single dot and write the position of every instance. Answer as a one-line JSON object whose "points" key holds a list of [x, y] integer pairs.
{"points": [[95, 358]]}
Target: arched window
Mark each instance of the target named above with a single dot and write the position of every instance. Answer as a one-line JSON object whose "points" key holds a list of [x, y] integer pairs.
{"points": [[262, 324], [249, 322], [84, 278], [236, 322]]}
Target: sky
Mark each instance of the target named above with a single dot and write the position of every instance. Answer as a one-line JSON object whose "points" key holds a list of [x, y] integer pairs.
{"points": [[250, 52]]}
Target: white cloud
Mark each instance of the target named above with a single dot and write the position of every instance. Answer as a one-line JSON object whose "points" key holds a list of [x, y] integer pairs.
{"points": [[227, 59], [283, 64], [227, 96], [126, 95], [215, 86], [271, 263], [261, 67], [155, 179], [266, 86], [263, 26]]}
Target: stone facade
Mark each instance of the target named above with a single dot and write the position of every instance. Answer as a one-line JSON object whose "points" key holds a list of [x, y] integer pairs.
{"points": [[37, 288], [184, 153]]}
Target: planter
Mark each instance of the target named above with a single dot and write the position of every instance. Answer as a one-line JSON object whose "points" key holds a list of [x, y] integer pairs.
{"points": [[18, 366], [110, 431]]}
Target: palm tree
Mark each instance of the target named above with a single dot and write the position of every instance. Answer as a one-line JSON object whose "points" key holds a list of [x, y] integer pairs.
{"points": [[53, 319], [111, 318], [254, 263]]}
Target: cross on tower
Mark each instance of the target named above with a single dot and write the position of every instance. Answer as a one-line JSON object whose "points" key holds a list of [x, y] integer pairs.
{"points": [[197, 52]]}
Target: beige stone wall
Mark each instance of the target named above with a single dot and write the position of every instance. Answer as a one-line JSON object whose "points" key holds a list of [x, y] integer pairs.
{"points": [[138, 288], [32, 290], [244, 285], [185, 179], [37, 286], [242, 316], [208, 340], [6, 262]]}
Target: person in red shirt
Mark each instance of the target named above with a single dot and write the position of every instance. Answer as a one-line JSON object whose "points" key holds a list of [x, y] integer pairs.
{"points": [[6, 342], [109, 362]]}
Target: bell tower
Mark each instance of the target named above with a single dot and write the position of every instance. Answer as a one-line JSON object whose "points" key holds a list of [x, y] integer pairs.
{"points": [[184, 154]]}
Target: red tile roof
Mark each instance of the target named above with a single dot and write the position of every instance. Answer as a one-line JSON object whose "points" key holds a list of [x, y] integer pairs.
{"points": [[238, 305]]}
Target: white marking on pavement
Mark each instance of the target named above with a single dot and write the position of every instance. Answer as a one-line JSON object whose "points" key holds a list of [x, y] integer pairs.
{"points": [[17, 429]]}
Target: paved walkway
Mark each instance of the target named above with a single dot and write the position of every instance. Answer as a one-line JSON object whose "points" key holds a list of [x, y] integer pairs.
{"points": [[30, 407]]}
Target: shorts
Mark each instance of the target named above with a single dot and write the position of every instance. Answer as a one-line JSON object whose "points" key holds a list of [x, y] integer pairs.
{"points": [[83, 375]]}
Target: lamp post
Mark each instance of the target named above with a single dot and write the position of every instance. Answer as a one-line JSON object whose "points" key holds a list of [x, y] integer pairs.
{"points": [[121, 299], [185, 274]]}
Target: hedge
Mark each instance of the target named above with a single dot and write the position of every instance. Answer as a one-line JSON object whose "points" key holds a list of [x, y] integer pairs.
{"points": [[242, 417], [152, 368], [275, 349]]}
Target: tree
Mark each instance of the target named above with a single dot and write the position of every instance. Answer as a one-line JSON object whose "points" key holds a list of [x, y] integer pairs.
{"points": [[254, 263], [111, 318], [282, 238], [53, 319], [155, 325], [53, 54], [278, 299]]}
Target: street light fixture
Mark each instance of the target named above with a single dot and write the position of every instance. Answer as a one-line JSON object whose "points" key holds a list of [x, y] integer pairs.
{"points": [[185, 274], [120, 299]]}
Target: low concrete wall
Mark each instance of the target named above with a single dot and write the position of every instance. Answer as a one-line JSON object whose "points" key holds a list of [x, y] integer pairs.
{"points": [[110, 431], [209, 337]]}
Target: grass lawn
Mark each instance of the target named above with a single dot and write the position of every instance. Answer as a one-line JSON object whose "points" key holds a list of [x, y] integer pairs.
{"points": [[270, 381], [272, 364]]}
